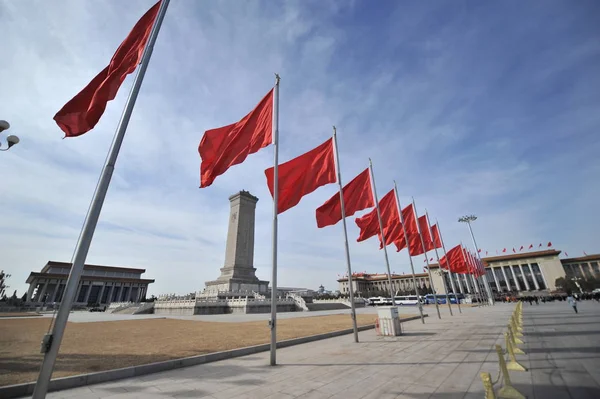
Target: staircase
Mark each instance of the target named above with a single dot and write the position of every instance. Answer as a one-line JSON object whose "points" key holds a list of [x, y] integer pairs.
{"points": [[327, 306]]}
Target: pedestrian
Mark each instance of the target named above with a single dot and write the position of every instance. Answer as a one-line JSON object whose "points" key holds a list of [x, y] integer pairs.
{"points": [[572, 301]]}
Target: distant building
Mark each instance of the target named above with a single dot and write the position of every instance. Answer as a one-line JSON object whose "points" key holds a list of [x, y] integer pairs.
{"points": [[523, 273], [98, 284]]}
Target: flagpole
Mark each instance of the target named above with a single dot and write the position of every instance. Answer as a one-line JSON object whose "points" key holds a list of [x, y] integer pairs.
{"points": [[347, 248], [273, 321], [412, 267], [439, 263], [387, 261], [437, 307], [449, 271], [51, 342]]}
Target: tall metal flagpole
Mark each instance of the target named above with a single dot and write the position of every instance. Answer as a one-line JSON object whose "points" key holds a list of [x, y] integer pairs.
{"points": [[439, 263], [449, 271], [486, 283], [387, 261], [273, 321], [51, 342], [343, 209], [412, 267], [437, 306]]}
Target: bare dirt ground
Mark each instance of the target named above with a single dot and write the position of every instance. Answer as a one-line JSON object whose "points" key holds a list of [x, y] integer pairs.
{"points": [[92, 347], [18, 314]]}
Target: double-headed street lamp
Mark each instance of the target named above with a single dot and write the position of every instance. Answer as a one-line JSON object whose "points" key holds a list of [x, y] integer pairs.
{"points": [[468, 219], [11, 140]]}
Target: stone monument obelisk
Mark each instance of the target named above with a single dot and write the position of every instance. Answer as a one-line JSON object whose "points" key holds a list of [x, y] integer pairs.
{"points": [[238, 274]]}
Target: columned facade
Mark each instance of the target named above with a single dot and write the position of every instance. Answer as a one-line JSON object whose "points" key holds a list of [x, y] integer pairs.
{"points": [[99, 285], [368, 284]]}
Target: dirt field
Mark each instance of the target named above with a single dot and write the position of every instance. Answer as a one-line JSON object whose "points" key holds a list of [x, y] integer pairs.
{"points": [[91, 347], [18, 314]]}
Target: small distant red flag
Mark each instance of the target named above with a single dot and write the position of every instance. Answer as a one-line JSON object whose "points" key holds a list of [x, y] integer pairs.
{"points": [[514, 251], [223, 147], [303, 175], [358, 195], [431, 259], [530, 246], [566, 254], [504, 250], [83, 111], [540, 245], [520, 249], [549, 244], [479, 250]]}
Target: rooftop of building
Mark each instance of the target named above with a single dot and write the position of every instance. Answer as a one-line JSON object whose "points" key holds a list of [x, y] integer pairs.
{"points": [[67, 265]]}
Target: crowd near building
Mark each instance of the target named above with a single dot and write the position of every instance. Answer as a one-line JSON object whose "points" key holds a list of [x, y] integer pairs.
{"points": [[522, 273], [98, 284]]}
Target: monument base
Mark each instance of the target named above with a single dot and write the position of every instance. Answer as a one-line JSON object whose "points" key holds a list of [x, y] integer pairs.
{"points": [[232, 286]]}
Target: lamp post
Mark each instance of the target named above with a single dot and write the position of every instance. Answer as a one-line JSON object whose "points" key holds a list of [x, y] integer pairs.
{"points": [[576, 281], [468, 219], [11, 140]]}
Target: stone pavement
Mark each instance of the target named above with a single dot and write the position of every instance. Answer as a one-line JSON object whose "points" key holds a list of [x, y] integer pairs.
{"points": [[440, 359]]}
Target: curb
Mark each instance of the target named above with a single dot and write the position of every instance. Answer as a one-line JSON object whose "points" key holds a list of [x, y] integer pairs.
{"points": [[58, 384]]}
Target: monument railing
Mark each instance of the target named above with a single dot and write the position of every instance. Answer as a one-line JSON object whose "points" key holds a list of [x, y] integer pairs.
{"points": [[300, 302]]}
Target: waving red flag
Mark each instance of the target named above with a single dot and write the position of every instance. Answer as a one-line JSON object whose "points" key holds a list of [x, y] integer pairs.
{"points": [[83, 111], [424, 226], [549, 244], [454, 260], [435, 232], [303, 175], [530, 246], [410, 219], [223, 147], [520, 249], [369, 223], [358, 195]]}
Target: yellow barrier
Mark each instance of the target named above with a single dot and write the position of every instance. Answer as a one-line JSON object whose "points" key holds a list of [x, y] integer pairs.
{"points": [[514, 338], [488, 386], [507, 391], [513, 364]]}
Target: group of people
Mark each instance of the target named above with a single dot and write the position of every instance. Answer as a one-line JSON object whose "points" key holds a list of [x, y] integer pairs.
{"points": [[571, 298]]}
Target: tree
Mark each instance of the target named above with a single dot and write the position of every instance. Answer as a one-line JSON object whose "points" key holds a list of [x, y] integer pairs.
{"points": [[565, 285]]}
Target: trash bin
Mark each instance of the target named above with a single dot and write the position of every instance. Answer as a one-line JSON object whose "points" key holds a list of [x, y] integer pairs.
{"points": [[388, 321]]}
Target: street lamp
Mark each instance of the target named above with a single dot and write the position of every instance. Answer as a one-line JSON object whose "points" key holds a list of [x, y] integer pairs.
{"points": [[11, 140], [468, 219]]}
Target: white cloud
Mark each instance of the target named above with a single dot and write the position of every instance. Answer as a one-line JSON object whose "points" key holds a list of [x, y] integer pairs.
{"points": [[427, 101]]}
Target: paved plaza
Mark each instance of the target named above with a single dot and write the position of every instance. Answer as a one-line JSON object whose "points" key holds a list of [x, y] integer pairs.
{"points": [[440, 359]]}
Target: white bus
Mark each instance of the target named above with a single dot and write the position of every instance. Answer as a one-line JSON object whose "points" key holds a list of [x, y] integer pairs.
{"points": [[406, 300]]}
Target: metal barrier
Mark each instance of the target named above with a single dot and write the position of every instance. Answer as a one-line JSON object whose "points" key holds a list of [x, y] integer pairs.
{"points": [[507, 391]]}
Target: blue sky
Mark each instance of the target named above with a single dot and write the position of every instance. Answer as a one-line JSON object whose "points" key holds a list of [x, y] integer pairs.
{"points": [[488, 108]]}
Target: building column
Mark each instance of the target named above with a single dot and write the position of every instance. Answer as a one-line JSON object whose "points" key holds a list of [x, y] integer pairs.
{"points": [[582, 271], [40, 297], [535, 282], [110, 294], [31, 288], [101, 293], [87, 294], [498, 288], [78, 291], [460, 288], [515, 277], [508, 287], [56, 291], [524, 278]]}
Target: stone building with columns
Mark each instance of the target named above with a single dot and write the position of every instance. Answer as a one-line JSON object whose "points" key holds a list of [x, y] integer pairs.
{"points": [[527, 273], [98, 284]]}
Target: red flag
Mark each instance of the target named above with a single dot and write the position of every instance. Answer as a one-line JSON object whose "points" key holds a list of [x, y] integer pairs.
{"points": [[566, 254], [303, 175], [540, 245], [436, 236], [83, 111], [504, 250], [223, 147], [369, 223], [358, 195], [514, 250], [479, 250], [414, 240], [424, 226], [549, 244], [520, 249], [454, 260], [486, 252], [530, 246]]}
